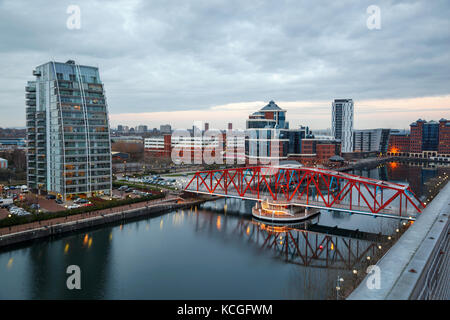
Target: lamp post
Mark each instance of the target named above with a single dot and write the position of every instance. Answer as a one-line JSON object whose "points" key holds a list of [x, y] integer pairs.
{"points": [[338, 286]]}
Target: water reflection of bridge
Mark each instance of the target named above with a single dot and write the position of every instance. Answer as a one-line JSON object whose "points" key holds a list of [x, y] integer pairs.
{"points": [[294, 244]]}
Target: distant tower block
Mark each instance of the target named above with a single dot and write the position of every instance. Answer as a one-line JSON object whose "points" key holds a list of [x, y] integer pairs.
{"points": [[342, 123], [230, 126]]}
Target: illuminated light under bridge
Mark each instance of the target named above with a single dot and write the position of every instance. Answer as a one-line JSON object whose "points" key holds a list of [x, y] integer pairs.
{"points": [[310, 187]]}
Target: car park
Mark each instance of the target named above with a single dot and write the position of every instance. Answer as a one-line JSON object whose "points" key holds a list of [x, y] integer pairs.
{"points": [[18, 211]]}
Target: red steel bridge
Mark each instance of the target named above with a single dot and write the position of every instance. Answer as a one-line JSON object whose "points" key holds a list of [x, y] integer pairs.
{"points": [[310, 187]]}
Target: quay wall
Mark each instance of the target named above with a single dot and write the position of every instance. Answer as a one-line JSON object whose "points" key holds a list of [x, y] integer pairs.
{"points": [[66, 227]]}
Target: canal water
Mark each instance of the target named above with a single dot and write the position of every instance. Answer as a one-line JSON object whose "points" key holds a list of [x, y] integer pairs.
{"points": [[215, 251]]}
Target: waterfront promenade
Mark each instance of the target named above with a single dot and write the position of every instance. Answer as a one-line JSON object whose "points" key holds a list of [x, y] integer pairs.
{"points": [[38, 229], [417, 266]]}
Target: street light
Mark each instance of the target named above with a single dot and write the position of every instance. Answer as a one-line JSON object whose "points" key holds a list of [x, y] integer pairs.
{"points": [[338, 286]]}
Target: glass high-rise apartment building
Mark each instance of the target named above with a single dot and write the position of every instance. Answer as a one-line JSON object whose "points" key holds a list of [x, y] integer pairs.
{"points": [[342, 123], [68, 136]]}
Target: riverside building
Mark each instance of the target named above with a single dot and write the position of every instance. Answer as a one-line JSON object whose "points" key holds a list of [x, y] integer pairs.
{"points": [[68, 136], [342, 123]]}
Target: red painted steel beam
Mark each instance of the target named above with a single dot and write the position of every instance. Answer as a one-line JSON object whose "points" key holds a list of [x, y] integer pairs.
{"points": [[271, 180]]}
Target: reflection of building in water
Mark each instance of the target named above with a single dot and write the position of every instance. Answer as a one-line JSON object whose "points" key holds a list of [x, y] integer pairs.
{"points": [[379, 173], [230, 206], [48, 266], [338, 249], [415, 176], [315, 257]]}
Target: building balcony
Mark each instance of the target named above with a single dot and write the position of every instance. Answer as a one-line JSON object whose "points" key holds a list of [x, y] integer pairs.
{"points": [[36, 73], [30, 102], [30, 89], [30, 95]]}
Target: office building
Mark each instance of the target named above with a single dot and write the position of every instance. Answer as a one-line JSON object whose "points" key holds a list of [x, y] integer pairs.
{"points": [[165, 129], [318, 150], [371, 140], [267, 131], [427, 139], [444, 137], [398, 143], [159, 147], [424, 138], [342, 123], [141, 129], [68, 136]]}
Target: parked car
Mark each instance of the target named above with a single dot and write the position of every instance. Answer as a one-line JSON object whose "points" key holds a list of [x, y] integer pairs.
{"points": [[59, 201], [35, 206], [122, 188], [18, 211], [50, 197], [129, 190], [5, 202], [80, 201], [73, 206]]}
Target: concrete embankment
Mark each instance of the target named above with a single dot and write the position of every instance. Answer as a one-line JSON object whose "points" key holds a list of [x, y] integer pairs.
{"points": [[66, 227], [418, 265]]}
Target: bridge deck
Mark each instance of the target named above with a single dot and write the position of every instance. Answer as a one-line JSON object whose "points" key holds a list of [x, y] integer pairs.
{"points": [[355, 208]]}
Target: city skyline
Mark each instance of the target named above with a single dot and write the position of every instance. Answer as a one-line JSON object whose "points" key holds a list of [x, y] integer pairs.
{"points": [[233, 154], [213, 62]]}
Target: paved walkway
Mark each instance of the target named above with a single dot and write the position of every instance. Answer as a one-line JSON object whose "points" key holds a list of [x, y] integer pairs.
{"points": [[39, 224]]}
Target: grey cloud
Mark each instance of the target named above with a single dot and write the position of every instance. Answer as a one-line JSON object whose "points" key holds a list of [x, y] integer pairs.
{"points": [[175, 55]]}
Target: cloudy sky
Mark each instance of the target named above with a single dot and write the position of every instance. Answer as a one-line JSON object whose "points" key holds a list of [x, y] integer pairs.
{"points": [[218, 60]]}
